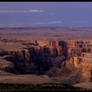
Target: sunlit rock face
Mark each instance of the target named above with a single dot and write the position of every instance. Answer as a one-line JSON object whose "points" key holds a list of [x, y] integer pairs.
{"points": [[79, 64], [71, 58]]}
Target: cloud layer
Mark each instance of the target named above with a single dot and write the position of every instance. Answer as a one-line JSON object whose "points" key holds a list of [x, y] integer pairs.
{"points": [[22, 11], [50, 22]]}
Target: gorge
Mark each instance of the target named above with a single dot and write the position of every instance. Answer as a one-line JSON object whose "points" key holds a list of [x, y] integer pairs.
{"points": [[70, 59]]}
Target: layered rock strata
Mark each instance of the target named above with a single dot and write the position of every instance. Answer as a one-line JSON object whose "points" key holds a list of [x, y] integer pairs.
{"points": [[54, 58]]}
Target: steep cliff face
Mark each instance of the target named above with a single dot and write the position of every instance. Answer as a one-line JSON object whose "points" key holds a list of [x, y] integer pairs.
{"points": [[78, 63], [38, 58], [55, 58], [79, 67]]}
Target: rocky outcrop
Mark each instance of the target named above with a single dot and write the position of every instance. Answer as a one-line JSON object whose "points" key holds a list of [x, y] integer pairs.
{"points": [[5, 65]]}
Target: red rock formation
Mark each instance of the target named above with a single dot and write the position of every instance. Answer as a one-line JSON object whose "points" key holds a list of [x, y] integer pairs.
{"points": [[69, 57]]}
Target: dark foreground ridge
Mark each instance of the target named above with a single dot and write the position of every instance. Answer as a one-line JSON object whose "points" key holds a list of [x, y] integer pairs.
{"points": [[39, 87]]}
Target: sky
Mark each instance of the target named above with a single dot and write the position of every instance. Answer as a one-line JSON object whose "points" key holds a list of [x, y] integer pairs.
{"points": [[45, 14]]}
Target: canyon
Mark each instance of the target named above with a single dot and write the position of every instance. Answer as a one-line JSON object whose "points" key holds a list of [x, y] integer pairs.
{"points": [[70, 59], [26, 56]]}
